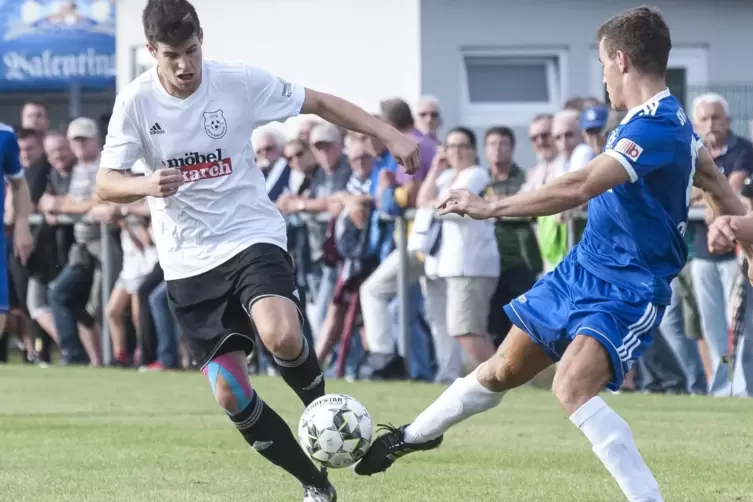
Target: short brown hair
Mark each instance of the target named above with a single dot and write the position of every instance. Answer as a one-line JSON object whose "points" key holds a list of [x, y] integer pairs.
{"points": [[642, 35], [397, 113]]}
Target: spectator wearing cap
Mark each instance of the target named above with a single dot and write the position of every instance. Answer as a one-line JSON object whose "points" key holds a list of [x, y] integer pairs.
{"points": [[71, 289], [593, 123], [332, 177]]}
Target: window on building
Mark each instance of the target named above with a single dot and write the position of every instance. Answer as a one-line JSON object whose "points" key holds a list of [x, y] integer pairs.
{"points": [[516, 84]]}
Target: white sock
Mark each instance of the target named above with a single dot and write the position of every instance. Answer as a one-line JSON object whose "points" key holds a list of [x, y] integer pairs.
{"points": [[464, 398], [613, 443]]}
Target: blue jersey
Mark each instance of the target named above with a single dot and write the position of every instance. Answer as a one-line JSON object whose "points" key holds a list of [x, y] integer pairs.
{"points": [[634, 237], [9, 158], [11, 167]]}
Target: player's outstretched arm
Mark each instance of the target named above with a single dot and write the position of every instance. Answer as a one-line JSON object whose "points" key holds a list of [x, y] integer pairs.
{"points": [[731, 226], [717, 191], [349, 116], [566, 192]]}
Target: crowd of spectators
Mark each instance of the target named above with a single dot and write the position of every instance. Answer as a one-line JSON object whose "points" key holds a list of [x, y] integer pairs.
{"points": [[341, 193]]}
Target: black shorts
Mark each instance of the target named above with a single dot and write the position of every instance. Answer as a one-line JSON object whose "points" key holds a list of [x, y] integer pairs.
{"points": [[213, 309]]}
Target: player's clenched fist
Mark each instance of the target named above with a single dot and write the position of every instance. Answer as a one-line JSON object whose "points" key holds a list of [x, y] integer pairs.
{"points": [[164, 182]]}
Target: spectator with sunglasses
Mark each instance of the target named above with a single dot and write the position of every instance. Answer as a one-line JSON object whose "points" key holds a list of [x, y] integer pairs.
{"points": [[429, 117]]}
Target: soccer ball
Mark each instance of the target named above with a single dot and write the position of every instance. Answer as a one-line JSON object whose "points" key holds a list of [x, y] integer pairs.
{"points": [[335, 430]]}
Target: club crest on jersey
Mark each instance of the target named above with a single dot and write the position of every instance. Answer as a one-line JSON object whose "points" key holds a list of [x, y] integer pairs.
{"points": [[629, 148], [215, 124]]}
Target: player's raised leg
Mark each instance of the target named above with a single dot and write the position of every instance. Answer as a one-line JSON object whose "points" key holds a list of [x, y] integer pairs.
{"points": [[278, 323], [260, 426], [586, 368], [516, 362]]}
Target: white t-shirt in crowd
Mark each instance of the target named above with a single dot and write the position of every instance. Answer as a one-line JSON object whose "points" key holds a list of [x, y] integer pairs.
{"points": [[222, 208], [582, 155], [468, 247]]}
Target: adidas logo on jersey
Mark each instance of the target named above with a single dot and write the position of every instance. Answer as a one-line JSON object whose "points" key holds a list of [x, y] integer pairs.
{"points": [[156, 129]]}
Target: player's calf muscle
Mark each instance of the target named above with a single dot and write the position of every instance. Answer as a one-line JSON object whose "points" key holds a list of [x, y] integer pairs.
{"points": [[582, 374], [516, 362]]}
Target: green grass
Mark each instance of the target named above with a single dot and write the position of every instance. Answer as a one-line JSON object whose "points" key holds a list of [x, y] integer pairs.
{"points": [[110, 435]]}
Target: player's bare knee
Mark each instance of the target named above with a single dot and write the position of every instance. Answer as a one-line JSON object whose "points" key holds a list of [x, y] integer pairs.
{"points": [[277, 322], [285, 342]]}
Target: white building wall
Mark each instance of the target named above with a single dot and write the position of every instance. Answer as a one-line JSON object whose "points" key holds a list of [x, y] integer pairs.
{"points": [[361, 50]]}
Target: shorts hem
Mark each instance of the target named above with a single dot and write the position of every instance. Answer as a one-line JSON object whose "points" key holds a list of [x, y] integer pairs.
{"points": [[218, 346], [272, 295], [518, 321]]}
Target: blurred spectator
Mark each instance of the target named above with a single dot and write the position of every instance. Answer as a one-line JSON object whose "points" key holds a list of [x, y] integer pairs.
{"points": [[36, 172], [71, 289], [593, 123], [35, 116], [34, 162], [463, 270], [304, 129], [540, 134], [552, 230], [303, 169], [429, 117], [714, 275], [332, 177], [396, 192], [351, 235], [519, 257], [269, 158], [139, 258]]}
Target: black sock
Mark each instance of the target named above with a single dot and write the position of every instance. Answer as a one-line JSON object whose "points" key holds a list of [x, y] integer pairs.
{"points": [[268, 434], [303, 374]]}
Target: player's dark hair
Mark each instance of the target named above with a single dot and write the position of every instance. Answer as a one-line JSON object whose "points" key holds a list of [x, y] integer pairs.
{"points": [[171, 22], [25, 133], [397, 113], [503, 131], [643, 35]]}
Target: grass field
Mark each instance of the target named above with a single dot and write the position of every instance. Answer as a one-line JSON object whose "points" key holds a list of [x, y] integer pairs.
{"points": [[112, 435]]}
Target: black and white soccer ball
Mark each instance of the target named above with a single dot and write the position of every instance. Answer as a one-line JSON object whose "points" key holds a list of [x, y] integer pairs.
{"points": [[335, 430]]}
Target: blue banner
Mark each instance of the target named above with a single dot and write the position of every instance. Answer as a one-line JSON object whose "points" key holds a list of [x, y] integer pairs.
{"points": [[49, 44]]}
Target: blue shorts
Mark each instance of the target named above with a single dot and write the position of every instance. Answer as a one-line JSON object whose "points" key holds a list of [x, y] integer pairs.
{"points": [[571, 301]]}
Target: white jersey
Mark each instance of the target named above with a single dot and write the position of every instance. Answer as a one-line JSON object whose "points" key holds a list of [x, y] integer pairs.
{"points": [[222, 208]]}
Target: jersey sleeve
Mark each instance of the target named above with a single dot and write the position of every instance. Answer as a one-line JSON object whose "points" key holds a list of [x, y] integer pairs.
{"points": [[11, 161], [123, 146], [642, 146], [271, 98]]}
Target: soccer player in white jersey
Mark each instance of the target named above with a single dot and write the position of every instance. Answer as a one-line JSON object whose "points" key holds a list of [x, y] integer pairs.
{"points": [[220, 240], [596, 311]]}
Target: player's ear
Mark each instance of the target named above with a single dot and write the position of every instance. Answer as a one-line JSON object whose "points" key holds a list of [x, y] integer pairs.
{"points": [[152, 50], [622, 61], [201, 35]]}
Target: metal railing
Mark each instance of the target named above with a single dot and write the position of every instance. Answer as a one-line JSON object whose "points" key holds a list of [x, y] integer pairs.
{"points": [[401, 245]]}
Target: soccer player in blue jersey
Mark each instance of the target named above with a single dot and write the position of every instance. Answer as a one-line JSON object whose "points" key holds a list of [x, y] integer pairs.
{"points": [[596, 311], [22, 240]]}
